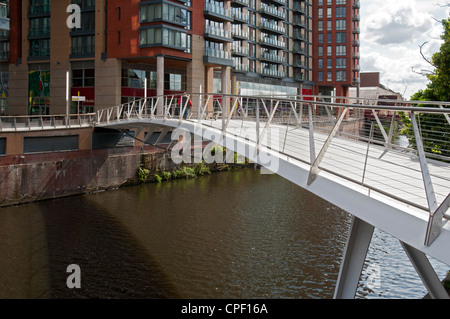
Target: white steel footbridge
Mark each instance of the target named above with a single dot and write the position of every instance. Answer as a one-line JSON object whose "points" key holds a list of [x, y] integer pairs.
{"points": [[386, 162]]}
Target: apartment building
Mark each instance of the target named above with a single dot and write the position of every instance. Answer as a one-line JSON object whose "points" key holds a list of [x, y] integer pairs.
{"points": [[4, 55], [114, 48], [336, 46]]}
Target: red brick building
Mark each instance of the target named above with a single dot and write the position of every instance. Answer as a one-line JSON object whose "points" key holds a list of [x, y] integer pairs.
{"points": [[336, 46]]}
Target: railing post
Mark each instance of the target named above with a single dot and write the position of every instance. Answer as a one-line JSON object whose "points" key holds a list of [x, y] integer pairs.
{"points": [[429, 190], [312, 148]]}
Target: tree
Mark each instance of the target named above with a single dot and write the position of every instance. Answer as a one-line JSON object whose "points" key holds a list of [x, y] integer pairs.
{"points": [[435, 128]]}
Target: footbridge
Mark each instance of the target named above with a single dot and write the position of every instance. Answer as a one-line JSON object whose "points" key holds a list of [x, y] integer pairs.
{"points": [[386, 162]]}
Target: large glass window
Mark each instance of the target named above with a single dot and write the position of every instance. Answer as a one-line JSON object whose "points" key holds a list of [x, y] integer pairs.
{"points": [[165, 11], [83, 78], [162, 36], [341, 12], [40, 48], [83, 45]]}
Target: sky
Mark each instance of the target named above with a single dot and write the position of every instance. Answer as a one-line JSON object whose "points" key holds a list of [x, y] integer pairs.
{"points": [[391, 33]]}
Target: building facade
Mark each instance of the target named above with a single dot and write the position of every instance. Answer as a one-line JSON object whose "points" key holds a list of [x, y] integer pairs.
{"points": [[336, 46], [113, 48]]}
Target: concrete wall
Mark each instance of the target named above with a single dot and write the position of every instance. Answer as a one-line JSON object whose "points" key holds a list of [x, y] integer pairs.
{"points": [[45, 176]]}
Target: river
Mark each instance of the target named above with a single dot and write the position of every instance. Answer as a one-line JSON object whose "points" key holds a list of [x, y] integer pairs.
{"points": [[226, 235]]}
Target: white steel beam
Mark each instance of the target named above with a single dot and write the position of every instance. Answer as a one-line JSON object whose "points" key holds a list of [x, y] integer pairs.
{"points": [[426, 272], [358, 243]]}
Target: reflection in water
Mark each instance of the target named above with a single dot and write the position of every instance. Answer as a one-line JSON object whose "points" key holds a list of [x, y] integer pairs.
{"points": [[227, 235]]}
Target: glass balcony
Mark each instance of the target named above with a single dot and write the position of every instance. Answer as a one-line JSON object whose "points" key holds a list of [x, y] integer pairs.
{"points": [[239, 50], [272, 42], [244, 3], [272, 73], [238, 67], [240, 17], [215, 56], [218, 12], [272, 27], [272, 57], [272, 11], [218, 34], [239, 34]]}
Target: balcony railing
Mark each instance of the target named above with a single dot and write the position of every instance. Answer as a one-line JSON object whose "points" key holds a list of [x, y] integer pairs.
{"points": [[239, 33], [218, 11], [218, 33], [272, 73], [220, 54], [272, 10], [272, 57], [239, 16], [241, 2], [239, 50], [273, 42], [239, 67], [272, 27]]}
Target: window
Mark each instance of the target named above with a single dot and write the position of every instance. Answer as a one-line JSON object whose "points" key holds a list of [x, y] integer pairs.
{"points": [[341, 25], [320, 13], [341, 63], [329, 63], [320, 24], [341, 12], [329, 76], [341, 37], [329, 50], [320, 63], [340, 2], [329, 12], [329, 25], [134, 78], [320, 38], [320, 76], [83, 45], [164, 36], [341, 50], [40, 48], [83, 78], [341, 76], [329, 37], [320, 51], [39, 27], [167, 12]]}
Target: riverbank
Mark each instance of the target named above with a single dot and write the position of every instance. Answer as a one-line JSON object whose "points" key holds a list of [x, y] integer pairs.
{"points": [[36, 177]]}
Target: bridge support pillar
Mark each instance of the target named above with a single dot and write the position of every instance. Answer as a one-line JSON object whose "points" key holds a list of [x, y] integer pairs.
{"points": [[352, 264], [426, 272]]}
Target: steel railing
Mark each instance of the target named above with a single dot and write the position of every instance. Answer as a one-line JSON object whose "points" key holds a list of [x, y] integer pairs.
{"points": [[45, 122]]}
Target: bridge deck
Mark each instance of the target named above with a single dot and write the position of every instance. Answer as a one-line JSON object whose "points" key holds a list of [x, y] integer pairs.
{"points": [[393, 172]]}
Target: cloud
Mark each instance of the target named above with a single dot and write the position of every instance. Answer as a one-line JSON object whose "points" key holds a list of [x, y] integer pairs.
{"points": [[391, 32], [403, 25]]}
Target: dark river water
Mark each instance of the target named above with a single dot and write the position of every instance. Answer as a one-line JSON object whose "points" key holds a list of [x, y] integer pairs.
{"points": [[226, 235]]}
